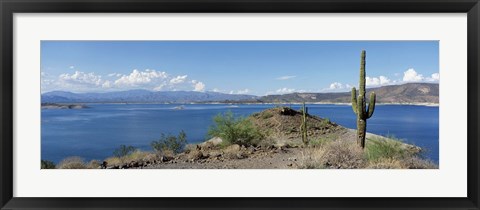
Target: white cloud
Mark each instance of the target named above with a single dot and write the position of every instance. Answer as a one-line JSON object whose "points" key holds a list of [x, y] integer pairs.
{"points": [[336, 85], [377, 81], [199, 86], [114, 75], [285, 90], [78, 81], [137, 78], [285, 77], [178, 79], [435, 77], [412, 76], [148, 79], [159, 87], [71, 67], [244, 91], [81, 78], [107, 84]]}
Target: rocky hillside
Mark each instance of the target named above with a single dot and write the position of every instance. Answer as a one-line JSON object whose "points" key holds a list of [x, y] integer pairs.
{"points": [[405, 93], [283, 124]]}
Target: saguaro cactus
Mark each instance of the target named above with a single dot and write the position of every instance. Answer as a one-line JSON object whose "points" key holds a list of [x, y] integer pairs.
{"points": [[359, 105], [304, 124]]}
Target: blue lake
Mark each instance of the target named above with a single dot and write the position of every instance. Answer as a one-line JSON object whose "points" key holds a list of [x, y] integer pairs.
{"points": [[95, 132]]}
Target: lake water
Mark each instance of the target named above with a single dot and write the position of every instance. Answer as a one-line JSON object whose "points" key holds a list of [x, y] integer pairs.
{"points": [[94, 133]]}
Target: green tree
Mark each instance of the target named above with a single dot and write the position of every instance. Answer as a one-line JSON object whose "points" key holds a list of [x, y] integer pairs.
{"points": [[176, 144], [235, 130], [46, 164], [123, 151]]}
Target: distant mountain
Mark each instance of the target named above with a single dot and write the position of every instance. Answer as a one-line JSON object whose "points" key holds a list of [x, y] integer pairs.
{"points": [[141, 96], [405, 93]]}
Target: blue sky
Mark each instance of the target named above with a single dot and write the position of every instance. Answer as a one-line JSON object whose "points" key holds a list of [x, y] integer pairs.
{"points": [[238, 67]]}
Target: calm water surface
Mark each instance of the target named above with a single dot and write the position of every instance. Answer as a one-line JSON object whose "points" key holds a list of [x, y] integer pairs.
{"points": [[94, 133]]}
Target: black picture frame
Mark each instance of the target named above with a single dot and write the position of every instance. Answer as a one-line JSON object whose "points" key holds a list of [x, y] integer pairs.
{"points": [[10, 7]]}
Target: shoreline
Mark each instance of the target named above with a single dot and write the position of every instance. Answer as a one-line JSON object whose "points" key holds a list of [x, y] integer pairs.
{"points": [[221, 103]]}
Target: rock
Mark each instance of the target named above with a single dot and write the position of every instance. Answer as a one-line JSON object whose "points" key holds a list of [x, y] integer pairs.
{"points": [[213, 142], [104, 165]]}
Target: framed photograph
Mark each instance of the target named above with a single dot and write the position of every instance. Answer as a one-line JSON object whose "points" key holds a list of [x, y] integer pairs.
{"points": [[239, 104]]}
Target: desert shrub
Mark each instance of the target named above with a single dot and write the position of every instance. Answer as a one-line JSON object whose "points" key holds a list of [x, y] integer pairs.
{"points": [[233, 152], [46, 164], [343, 154], [385, 163], [312, 158], [176, 144], [93, 164], [325, 122], [235, 130], [266, 115], [338, 154], [136, 155], [378, 148], [123, 151], [72, 163], [266, 142], [319, 142], [418, 163]]}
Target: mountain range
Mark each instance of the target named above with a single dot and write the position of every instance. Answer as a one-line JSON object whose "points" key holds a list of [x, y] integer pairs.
{"points": [[405, 93]]}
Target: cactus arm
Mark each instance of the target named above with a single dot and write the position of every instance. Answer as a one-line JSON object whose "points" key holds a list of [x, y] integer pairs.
{"points": [[371, 105], [354, 100]]}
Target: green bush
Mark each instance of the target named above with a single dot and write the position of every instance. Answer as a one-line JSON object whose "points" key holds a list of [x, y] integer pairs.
{"points": [[378, 148], [235, 130], [176, 144], [46, 164], [123, 151]]}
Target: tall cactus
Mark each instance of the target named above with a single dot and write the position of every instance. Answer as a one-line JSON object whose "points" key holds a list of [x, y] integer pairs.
{"points": [[359, 105], [304, 124]]}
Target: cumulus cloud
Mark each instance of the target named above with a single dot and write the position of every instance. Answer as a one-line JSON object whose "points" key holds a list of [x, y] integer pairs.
{"points": [[137, 78], [178, 79], [244, 91], [114, 75], [435, 77], [81, 78], [80, 81], [285, 77], [285, 90], [338, 85], [198, 86], [412, 76], [377, 81]]}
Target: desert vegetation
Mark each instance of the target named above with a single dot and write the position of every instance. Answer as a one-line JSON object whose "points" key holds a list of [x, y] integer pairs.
{"points": [[279, 137]]}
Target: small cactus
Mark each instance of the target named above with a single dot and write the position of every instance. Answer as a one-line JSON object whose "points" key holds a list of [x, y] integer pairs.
{"points": [[304, 124], [359, 105]]}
